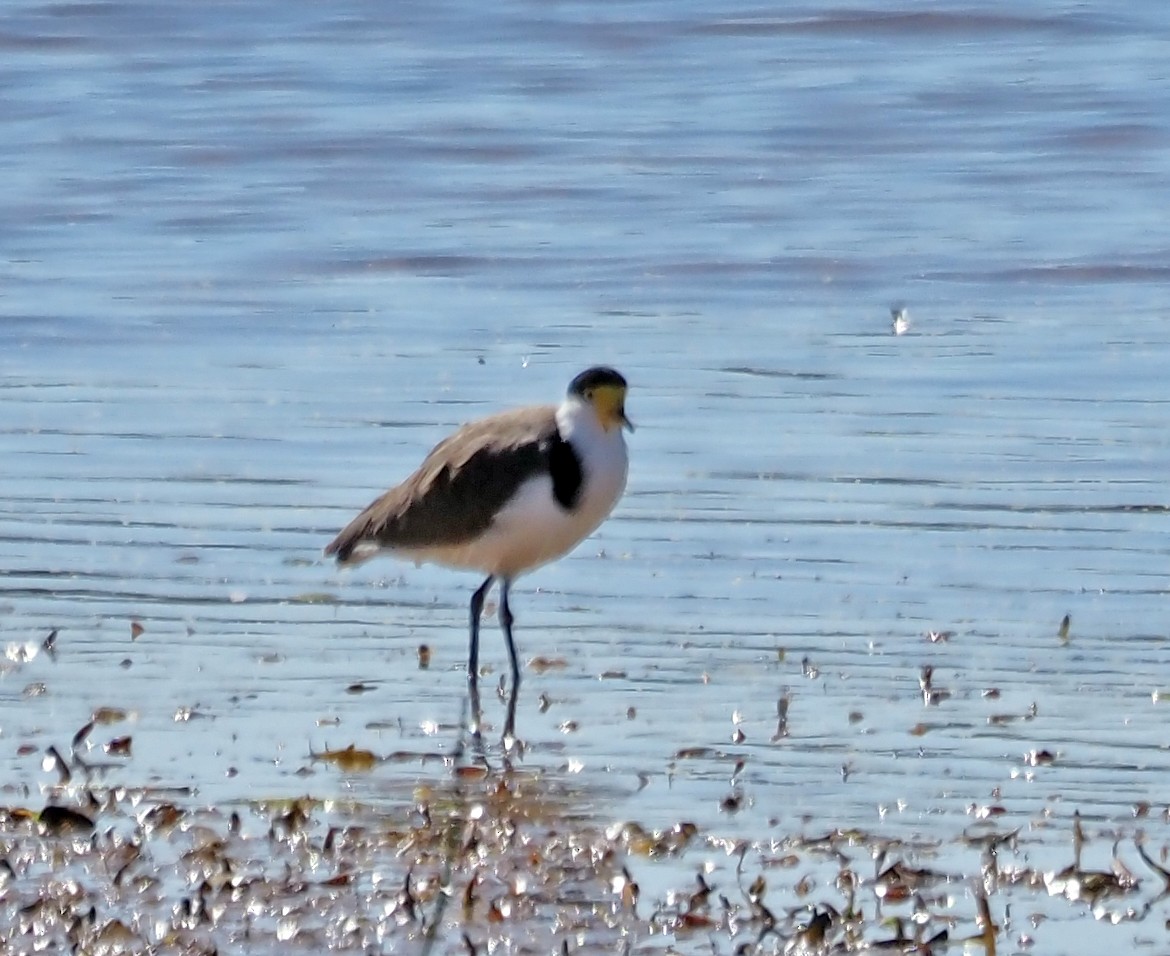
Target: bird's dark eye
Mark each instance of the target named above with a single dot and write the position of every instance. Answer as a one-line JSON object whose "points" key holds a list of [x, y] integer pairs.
{"points": [[589, 394]]}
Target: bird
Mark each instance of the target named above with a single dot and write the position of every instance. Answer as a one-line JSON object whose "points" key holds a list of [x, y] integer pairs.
{"points": [[504, 495]]}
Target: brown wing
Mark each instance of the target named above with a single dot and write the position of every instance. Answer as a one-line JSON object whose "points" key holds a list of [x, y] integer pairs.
{"points": [[459, 487]]}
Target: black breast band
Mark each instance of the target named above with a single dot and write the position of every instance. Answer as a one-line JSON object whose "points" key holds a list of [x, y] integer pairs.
{"points": [[565, 469]]}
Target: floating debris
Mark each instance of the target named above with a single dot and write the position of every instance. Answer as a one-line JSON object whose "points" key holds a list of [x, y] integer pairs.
{"points": [[695, 753], [1092, 886], [1039, 758], [481, 860], [54, 761], [109, 715], [351, 759], [81, 737], [118, 747], [782, 705], [931, 695], [638, 841], [314, 597], [60, 820], [21, 652], [899, 319]]}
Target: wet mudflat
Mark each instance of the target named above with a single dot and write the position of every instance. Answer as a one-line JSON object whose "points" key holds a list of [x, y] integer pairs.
{"points": [[257, 260], [476, 857]]}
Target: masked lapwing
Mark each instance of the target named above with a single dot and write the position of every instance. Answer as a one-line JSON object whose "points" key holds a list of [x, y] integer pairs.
{"points": [[504, 495]]}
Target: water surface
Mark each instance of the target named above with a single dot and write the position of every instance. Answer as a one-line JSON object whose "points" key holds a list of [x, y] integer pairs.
{"points": [[257, 260]]}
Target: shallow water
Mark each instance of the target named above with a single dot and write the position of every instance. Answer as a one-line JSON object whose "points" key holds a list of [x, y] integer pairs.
{"points": [[258, 260]]}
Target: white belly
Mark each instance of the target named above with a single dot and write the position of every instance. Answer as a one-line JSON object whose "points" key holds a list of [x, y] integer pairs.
{"points": [[533, 529]]}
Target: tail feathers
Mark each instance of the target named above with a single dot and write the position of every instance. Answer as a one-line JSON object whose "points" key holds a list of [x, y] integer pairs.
{"points": [[342, 547], [351, 549]]}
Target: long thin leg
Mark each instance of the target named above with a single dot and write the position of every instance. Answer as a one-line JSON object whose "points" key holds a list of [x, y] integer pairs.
{"points": [[477, 600], [510, 739], [476, 717], [506, 626]]}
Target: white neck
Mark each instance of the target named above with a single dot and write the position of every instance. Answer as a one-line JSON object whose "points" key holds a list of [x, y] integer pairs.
{"points": [[577, 419]]}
